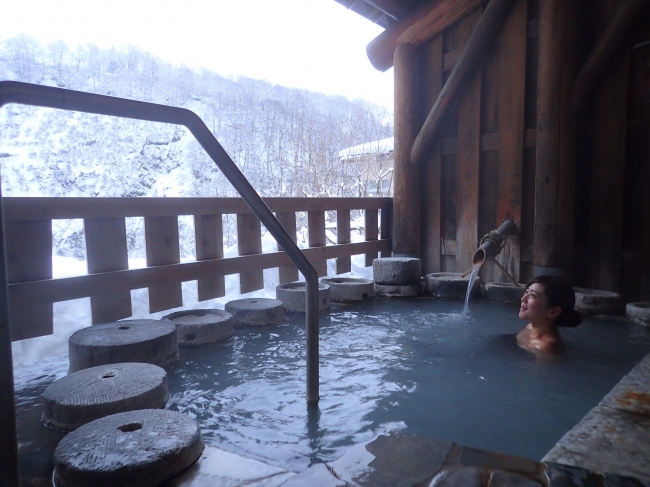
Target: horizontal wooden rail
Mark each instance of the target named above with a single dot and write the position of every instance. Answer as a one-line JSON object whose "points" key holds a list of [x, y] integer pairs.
{"points": [[27, 209], [56, 290]]}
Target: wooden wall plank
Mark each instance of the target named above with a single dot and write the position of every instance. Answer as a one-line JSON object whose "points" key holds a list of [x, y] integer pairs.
{"points": [[372, 232], [343, 264], [386, 224], [161, 239], [431, 168], [249, 241], [29, 258], [208, 238], [288, 221], [469, 136], [512, 88], [317, 237], [106, 251]]}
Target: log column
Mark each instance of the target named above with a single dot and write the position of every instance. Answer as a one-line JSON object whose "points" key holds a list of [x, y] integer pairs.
{"points": [[556, 149], [408, 120]]}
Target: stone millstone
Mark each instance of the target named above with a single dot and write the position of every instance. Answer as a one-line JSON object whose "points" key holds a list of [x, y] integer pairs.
{"points": [[256, 312], [396, 271], [348, 289], [638, 312], [93, 393], [450, 285], [387, 291], [504, 292], [201, 326], [293, 296], [596, 302], [142, 448], [145, 341]]}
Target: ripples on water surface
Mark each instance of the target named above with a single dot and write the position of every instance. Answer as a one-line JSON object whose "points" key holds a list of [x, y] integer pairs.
{"points": [[422, 365]]}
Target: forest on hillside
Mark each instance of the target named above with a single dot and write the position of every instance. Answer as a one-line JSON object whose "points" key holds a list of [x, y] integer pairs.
{"points": [[286, 141]]}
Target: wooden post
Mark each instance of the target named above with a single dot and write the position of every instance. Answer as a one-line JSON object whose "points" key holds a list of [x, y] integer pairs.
{"points": [[208, 239], [408, 120], [8, 436], [386, 223], [512, 85], [288, 273], [343, 264], [555, 166], [372, 232], [467, 157], [161, 239], [608, 174], [249, 242], [317, 237], [431, 167], [106, 251]]}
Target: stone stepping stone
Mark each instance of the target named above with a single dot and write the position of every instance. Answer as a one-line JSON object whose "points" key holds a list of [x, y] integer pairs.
{"points": [[90, 394], [638, 312], [256, 312], [504, 292], [144, 341], [396, 271], [389, 291], [450, 285], [142, 448], [293, 296], [595, 302], [201, 326], [348, 289]]}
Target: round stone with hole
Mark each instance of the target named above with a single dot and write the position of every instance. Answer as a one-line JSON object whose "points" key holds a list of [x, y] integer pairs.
{"points": [[450, 285], [145, 341], [93, 393], [349, 289], [201, 326], [396, 271], [256, 312], [638, 312], [293, 296], [504, 292], [143, 448], [596, 302]]}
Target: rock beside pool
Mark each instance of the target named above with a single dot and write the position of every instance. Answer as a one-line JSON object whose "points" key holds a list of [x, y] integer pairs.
{"points": [[142, 448], [256, 312], [144, 341], [638, 312], [348, 289], [396, 271], [450, 285], [293, 296], [596, 302], [388, 291], [201, 326], [504, 292], [90, 394]]}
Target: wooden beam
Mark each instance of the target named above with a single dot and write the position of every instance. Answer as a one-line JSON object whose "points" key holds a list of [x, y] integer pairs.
{"points": [[394, 8], [288, 221], [512, 84], [343, 264], [420, 26], [317, 237], [208, 238], [408, 119], [55, 290], [386, 224], [249, 241], [486, 32], [161, 240], [371, 220], [605, 48]]}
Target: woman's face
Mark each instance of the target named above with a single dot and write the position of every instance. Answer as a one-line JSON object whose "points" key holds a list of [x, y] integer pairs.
{"points": [[534, 304]]}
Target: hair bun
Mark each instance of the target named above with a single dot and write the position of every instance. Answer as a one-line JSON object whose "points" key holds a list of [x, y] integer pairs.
{"points": [[569, 318]]}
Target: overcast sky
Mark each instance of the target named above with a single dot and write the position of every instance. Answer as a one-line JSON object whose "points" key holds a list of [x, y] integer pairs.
{"points": [[313, 44]]}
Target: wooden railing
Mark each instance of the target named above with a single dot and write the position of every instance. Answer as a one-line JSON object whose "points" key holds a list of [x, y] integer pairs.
{"points": [[32, 290]]}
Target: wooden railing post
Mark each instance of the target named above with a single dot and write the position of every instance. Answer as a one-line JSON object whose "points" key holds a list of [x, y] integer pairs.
{"points": [[288, 273], [317, 237], [161, 238], [208, 234], [343, 264], [106, 251], [249, 242], [372, 232]]}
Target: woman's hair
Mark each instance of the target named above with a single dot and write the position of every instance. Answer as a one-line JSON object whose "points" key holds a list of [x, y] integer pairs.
{"points": [[560, 293]]}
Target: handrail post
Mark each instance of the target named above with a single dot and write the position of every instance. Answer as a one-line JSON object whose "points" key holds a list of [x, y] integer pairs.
{"points": [[311, 310]]}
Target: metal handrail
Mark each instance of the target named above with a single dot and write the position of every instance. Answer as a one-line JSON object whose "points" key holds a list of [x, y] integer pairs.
{"points": [[50, 97]]}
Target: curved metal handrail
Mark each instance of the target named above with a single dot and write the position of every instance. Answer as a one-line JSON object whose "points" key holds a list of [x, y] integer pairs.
{"points": [[50, 97]]}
